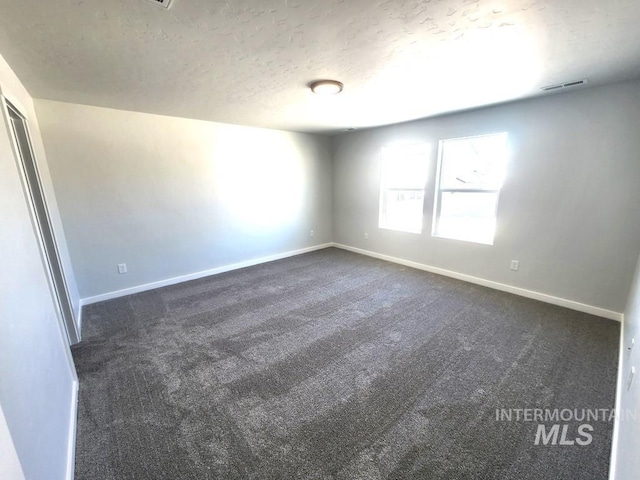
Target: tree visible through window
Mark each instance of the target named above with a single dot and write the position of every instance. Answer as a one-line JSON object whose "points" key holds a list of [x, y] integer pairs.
{"points": [[470, 175], [402, 181]]}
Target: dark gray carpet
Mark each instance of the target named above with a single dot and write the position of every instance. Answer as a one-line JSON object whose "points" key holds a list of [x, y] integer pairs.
{"points": [[332, 365]]}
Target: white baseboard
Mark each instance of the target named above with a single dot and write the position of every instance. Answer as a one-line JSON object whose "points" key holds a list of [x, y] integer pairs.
{"points": [[543, 297], [73, 425], [616, 421], [197, 275]]}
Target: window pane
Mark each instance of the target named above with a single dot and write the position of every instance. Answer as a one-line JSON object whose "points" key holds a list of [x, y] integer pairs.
{"points": [[402, 181], [404, 167], [403, 210], [468, 216], [471, 175], [473, 163]]}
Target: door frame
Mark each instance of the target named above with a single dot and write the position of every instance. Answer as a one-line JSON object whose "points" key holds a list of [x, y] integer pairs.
{"points": [[35, 194]]}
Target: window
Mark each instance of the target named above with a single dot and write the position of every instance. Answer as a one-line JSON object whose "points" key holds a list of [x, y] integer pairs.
{"points": [[470, 175], [402, 180]]}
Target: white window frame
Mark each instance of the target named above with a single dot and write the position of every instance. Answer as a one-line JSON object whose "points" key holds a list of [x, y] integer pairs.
{"points": [[439, 191]]}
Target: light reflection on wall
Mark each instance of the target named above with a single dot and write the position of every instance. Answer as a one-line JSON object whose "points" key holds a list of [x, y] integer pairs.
{"points": [[261, 184]]}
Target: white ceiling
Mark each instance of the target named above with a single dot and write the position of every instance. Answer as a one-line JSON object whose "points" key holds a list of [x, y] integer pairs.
{"points": [[249, 61]]}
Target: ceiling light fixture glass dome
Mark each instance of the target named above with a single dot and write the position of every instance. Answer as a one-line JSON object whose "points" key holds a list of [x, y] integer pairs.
{"points": [[326, 87]]}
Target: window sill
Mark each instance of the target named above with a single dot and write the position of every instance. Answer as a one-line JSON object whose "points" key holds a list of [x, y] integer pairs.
{"points": [[469, 240], [399, 229]]}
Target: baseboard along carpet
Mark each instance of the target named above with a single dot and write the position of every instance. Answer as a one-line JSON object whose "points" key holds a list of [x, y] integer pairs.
{"points": [[333, 365]]}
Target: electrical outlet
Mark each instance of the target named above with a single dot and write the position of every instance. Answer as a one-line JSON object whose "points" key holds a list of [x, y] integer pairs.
{"points": [[366, 236], [122, 268], [311, 233], [515, 265], [631, 375]]}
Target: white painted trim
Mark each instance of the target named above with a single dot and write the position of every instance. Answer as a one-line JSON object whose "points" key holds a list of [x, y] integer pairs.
{"points": [[79, 319], [73, 425], [197, 275], [58, 295], [616, 422], [543, 297]]}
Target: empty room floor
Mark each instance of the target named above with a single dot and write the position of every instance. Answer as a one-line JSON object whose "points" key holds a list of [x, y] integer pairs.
{"points": [[333, 365]]}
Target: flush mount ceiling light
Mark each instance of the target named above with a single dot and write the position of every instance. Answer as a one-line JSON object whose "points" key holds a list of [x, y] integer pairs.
{"points": [[161, 3], [326, 87]]}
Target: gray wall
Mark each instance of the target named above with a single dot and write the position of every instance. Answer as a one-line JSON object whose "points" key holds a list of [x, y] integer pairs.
{"points": [[37, 377], [172, 197], [568, 209], [627, 462]]}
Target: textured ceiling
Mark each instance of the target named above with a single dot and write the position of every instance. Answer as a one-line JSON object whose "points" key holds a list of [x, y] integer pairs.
{"points": [[249, 61]]}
